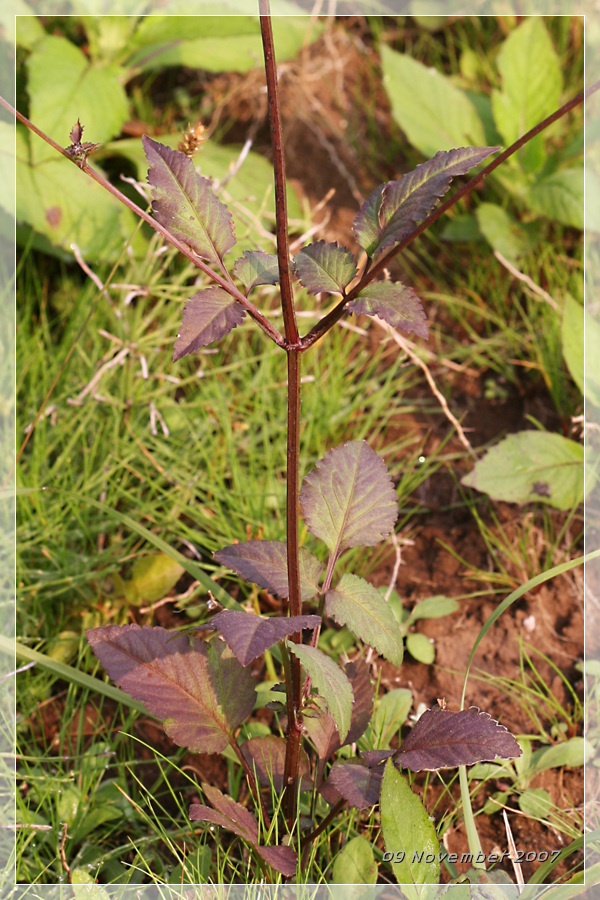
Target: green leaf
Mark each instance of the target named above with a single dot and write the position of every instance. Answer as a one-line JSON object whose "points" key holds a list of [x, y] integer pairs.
{"points": [[355, 864], [573, 337], [536, 802], [533, 466], [152, 578], [575, 752], [20, 25], [324, 267], [502, 231], [531, 87], [433, 113], [349, 499], [434, 608], [207, 316], [185, 203], [395, 303], [64, 87], [407, 828], [391, 713], [330, 682], [420, 648], [357, 604], [255, 267], [560, 197]]}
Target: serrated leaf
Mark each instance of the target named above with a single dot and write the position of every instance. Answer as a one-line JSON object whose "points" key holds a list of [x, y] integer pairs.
{"points": [[355, 864], [356, 782], [325, 267], [321, 727], [330, 682], [395, 303], [433, 113], [443, 739], [560, 197], [207, 317], [407, 827], [255, 267], [266, 756], [202, 689], [152, 578], [357, 604], [393, 209], [533, 466], [265, 564], [248, 636], [185, 203], [234, 817], [349, 500]]}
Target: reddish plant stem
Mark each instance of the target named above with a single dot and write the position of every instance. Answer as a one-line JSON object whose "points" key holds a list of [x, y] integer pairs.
{"points": [[281, 217], [293, 671], [183, 248], [337, 312]]}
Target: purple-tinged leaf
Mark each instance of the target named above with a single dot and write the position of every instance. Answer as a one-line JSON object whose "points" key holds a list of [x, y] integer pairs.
{"points": [[325, 267], [185, 203], [393, 209], [330, 682], [255, 267], [395, 303], [267, 756], [207, 317], [236, 818], [265, 563], [200, 688], [373, 758], [357, 604], [356, 783], [349, 500], [320, 726], [248, 636], [443, 739]]}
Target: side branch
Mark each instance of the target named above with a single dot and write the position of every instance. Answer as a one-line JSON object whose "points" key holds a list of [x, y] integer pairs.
{"points": [[183, 248], [337, 312]]}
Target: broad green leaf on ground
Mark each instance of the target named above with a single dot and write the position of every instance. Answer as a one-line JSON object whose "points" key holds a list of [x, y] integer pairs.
{"points": [[256, 267], [200, 689], [266, 756], [536, 803], [349, 500], [391, 713], [502, 231], [390, 213], [152, 578], [575, 752], [533, 466], [324, 267], [355, 864], [408, 829], [63, 86], [60, 203], [433, 608], [531, 77], [229, 814], [208, 316], [581, 330], [357, 604], [395, 303], [443, 739], [216, 43], [420, 648], [432, 112], [249, 636], [265, 564], [330, 682], [186, 204], [560, 197], [320, 725], [356, 782]]}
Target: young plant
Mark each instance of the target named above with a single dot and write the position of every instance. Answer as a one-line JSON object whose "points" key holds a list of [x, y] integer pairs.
{"points": [[203, 687]]}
